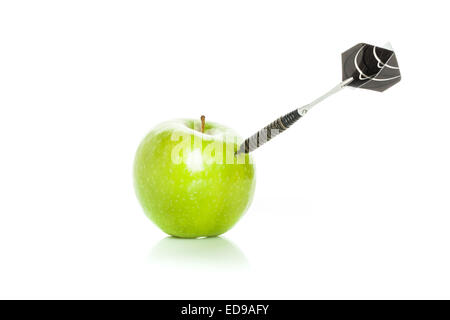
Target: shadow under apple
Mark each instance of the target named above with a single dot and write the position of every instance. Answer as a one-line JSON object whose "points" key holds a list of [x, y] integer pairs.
{"points": [[209, 253]]}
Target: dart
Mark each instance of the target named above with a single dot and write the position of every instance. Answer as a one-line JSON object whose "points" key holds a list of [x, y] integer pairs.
{"points": [[363, 66]]}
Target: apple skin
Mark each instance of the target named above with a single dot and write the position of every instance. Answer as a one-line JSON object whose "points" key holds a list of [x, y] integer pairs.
{"points": [[193, 196]]}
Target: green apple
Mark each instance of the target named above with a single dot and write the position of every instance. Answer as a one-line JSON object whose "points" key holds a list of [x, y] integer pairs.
{"points": [[190, 183]]}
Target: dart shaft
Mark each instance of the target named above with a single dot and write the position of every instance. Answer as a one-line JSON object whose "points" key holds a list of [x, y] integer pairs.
{"points": [[284, 122], [303, 110]]}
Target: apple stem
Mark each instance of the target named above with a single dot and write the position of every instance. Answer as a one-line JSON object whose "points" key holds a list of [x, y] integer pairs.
{"points": [[202, 118]]}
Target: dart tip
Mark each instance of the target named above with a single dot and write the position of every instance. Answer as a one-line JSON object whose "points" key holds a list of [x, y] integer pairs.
{"points": [[240, 151]]}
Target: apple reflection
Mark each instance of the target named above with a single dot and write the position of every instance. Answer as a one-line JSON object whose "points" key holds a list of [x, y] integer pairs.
{"points": [[209, 253]]}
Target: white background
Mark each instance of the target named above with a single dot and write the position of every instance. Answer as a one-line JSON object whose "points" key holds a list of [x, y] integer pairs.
{"points": [[352, 202]]}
